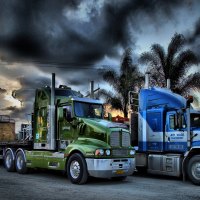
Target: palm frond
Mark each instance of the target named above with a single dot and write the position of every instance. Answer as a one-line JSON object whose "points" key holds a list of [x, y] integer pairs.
{"points": [[149, 58], [192, 81], [160, 52], [185, 59], [126, 61], [111, 99], [175, 45], [112, 78]]}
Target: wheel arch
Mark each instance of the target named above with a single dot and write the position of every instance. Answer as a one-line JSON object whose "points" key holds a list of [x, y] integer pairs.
{"points": [[189, 154], [12, 152], [22, 150], [71, 153]]}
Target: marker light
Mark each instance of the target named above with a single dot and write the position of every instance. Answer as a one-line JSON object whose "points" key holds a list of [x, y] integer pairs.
{"points": [[108, 152], [132, 152], [99, 152]]}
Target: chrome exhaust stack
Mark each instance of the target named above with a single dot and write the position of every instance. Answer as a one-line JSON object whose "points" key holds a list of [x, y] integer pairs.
{"points": [[168, 83], [51, 139], [146, 86]]}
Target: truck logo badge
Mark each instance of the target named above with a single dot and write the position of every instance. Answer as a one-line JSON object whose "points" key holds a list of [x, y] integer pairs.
{"points": [[37, 136], [66, 128]]}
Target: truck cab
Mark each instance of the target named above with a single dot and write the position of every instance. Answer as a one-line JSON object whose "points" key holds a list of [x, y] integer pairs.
{"points": [[81, 142], [168, 134]]}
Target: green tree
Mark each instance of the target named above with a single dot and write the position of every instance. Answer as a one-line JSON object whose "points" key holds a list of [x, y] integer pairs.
{"points": [[173, 64], [127, 79]]}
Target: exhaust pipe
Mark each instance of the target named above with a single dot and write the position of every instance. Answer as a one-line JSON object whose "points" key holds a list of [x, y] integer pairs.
{"points": [[52, 143], [168, 83], [146, 86]]}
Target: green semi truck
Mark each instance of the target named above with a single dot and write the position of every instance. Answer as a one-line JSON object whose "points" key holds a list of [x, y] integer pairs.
{"points": [[70, 134]]}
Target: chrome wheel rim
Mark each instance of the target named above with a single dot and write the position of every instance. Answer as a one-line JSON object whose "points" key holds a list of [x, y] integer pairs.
{"points": [[75, 169], [20, 162], [8, 160], [196, 170]]}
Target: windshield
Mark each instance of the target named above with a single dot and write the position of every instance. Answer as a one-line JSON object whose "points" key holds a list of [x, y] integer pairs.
{"points": [[195, 120], [88, 110]]}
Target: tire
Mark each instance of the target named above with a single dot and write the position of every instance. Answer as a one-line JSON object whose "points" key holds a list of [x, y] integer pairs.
{"points": [[77, 169], [9, 161], [193, 169], [20, 163]]}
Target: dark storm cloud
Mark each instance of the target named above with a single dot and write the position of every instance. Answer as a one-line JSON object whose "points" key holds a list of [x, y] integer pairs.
{"points": [[40, 30], [73, 35], [2, 91], [193, 39], [28, 87], [196, 32], [19, 113], [9, 108]]}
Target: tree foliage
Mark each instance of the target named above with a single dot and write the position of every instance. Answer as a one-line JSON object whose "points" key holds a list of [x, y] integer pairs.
{"points": [[127, 79], [172, 64]]}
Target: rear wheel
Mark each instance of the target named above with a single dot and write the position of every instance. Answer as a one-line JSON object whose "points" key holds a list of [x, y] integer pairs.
{"points": [[77, 169], [194, 169], [9, 161], [20, 163]]}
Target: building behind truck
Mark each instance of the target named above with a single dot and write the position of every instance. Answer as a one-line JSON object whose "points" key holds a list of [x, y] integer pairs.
{"points": [[167, 138], [70, 134], [7, 130]]}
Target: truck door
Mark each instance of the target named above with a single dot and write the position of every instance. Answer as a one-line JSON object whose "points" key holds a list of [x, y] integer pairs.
{"points": [[155, 130], [175, 133], [66, 126]]}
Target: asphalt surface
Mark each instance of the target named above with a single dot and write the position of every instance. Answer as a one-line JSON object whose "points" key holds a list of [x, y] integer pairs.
{"points": [[41, 184]]}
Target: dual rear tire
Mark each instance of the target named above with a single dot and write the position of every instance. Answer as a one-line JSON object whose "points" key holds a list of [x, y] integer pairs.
{"points": [[16, 162]]}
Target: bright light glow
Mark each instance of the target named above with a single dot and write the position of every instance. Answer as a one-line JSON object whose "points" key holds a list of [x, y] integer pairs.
{"points": [[13, 101]]}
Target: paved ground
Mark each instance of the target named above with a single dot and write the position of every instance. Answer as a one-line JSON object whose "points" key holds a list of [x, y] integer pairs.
{"points": [[53, 185]]}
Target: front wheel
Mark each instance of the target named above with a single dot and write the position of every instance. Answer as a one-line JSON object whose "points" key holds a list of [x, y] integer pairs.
{"points": [[77, 169], [194, 169], [20, 163]]}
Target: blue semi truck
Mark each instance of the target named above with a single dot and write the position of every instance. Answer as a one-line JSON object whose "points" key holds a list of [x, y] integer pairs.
{"points": [[167, 138]]}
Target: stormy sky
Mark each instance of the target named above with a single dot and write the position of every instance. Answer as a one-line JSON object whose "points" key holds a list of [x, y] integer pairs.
{"points": [[75, 39]]}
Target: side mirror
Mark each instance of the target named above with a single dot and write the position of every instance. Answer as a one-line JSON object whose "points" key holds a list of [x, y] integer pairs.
{"points": [[175, 122], [189, 101], [67, 114], [178, 121]]}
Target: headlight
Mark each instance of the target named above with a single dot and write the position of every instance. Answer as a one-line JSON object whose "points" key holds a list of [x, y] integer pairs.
{"points": [[108, 152], [99, 152], [132, 152]]}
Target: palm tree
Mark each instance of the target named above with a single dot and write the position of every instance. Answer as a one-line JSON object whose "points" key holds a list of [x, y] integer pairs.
{"points": [[173, 64], [128, 78]]}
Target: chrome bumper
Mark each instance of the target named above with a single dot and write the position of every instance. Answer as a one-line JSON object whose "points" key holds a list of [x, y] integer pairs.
{"points": [[108, 168]]}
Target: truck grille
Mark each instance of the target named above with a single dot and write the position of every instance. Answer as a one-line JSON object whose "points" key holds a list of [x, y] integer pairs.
{"points": [[115, 138], [125, 139], [120, 152]]}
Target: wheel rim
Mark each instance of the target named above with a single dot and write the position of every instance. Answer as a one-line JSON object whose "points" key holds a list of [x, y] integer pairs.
{"points": [[20, 162], [8, 160], [196, 170], [75, 169]]}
